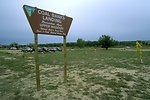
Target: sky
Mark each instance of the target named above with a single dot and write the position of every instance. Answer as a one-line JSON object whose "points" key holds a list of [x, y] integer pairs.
{"points": [[123, 20]]}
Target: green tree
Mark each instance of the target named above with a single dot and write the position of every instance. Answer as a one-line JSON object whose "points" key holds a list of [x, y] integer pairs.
{"points": [[106, 41], [31, 45], [80, 43], [14, 44]]}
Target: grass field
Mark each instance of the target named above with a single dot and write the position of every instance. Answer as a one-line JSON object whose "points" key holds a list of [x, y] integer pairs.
{"points": [[93, 74]]}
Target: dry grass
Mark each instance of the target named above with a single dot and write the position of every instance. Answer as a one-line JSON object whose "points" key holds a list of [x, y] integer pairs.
{"points": [[106, 76]]}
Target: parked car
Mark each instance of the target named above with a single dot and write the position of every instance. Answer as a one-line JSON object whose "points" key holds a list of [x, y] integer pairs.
{"points": [[13, 48], [45, 49], [127, 47], [27, 49], [52, 49], [40, 49], [58, 49]]}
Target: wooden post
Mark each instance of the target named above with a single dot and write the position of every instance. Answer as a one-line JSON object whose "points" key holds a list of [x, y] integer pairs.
{"points": [[65, 60], [37, 61]]}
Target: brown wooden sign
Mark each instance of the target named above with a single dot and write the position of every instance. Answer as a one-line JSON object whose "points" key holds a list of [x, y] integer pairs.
{"points": [[45, 22]]}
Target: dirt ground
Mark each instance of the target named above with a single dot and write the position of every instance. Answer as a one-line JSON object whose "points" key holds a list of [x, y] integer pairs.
{"points": [[83, 83]]}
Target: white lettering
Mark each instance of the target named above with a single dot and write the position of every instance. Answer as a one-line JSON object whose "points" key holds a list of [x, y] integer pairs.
{"points": [[41, 12], [58, 16], [45, 18], [57, 27]]}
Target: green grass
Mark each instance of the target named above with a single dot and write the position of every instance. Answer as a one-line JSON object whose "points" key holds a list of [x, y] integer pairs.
{"points": [[93, 73]]}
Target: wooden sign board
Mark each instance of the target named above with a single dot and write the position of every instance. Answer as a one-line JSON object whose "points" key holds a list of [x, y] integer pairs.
{"points": [[45, 22]]}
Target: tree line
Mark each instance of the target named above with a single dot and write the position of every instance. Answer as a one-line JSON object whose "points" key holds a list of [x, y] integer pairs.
{"points": [[105, 41]]}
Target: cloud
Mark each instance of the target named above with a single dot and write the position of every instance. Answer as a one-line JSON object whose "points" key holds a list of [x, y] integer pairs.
{"points": [[122, 19]]}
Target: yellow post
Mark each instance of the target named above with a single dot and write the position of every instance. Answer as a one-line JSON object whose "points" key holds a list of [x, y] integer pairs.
{"points": [[139, 51], [37, 61], [65, 60]]}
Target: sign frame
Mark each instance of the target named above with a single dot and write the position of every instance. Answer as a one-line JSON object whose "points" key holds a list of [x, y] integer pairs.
{"points": [[64, 24]]}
